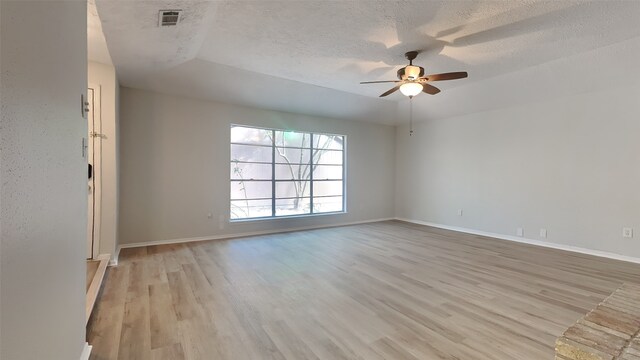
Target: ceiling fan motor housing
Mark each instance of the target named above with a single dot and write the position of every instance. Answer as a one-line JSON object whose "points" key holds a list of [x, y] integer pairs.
{"points": [[410, 72]]}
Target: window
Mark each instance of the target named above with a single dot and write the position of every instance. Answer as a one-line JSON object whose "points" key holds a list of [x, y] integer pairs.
{"points": [[276, 173]]}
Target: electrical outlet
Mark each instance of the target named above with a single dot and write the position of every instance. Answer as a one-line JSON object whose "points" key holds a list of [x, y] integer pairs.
{"points": [[459, 212], [209, 215], [543, 233], [520, 232], [627, 232]]}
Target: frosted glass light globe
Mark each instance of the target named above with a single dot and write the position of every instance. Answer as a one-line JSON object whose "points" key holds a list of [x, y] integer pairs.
{"points": [[411, 89]]}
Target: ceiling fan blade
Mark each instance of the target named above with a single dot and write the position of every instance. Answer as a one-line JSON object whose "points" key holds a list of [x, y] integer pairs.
{"points": [[430, 89], [447, 76], [391, 91], [378, 82]]}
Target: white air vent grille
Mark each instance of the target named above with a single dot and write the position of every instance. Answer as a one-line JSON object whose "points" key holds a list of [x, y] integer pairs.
{"points": [[169, 17]]}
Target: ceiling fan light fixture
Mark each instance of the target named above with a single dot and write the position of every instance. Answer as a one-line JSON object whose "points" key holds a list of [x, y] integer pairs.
{"points": [[412, 81], [411, 89]]}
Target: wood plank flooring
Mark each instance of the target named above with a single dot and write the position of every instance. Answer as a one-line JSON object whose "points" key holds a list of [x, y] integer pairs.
{"points": [[387, 290], [96, 270]]}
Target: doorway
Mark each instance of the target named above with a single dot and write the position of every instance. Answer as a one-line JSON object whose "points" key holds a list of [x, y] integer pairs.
{"points": [[94, 156]]}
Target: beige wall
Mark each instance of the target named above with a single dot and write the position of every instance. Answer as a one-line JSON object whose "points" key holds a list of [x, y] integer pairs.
{"points": [[105, 76], [43, 178], [175, 167], [569, 164]]}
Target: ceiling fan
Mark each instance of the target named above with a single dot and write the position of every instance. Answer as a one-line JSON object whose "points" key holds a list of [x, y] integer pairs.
{"points": [[412, 80]]}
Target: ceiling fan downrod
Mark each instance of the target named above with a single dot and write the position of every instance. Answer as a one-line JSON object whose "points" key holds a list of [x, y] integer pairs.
{"points": [[411, 55]]}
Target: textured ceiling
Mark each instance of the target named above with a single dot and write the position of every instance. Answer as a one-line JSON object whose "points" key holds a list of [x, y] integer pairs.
{"points": [[96, 44], [221, 49]]}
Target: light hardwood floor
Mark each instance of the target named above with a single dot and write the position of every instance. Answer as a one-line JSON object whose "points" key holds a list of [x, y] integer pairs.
{"points": [[96, 270], [387, 290]]}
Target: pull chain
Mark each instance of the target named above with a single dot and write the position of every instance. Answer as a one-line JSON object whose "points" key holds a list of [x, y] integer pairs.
{"points": [[410, 115]]}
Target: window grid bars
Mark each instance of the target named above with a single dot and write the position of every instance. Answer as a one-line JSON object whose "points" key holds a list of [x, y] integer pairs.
{"points": [[311, 172], [273, 173], [311, 180]]}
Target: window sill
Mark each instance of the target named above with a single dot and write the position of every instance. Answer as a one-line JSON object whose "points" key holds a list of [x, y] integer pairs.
{"points": [[287, 217]]}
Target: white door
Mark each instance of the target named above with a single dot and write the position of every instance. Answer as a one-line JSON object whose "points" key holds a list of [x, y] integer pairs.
{"points": [[94, 146]]}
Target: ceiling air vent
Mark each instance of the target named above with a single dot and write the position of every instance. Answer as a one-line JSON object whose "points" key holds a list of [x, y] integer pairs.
{"points": [[169, 17]]}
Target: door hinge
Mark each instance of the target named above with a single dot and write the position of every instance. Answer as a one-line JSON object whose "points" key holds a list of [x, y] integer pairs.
{"points": [[84, 106], [94, 134]]}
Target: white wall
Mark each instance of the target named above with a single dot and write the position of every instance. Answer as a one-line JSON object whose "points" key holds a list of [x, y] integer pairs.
{"points": [[558, 160], [105, 76], [175, 167], [43, 179]]}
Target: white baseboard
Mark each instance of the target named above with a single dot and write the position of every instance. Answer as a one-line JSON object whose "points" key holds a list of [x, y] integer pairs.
{"points": [[114, 261], [524, 240], [86, 351]]}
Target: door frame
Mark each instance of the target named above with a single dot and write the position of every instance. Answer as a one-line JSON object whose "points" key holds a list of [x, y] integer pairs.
{"points": [[96, 142]]}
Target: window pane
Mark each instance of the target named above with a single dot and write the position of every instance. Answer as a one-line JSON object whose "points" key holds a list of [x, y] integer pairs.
{"points": [[327, 204], [293, 139], [292, 206], [286, 189], [292, 172], [251, 153], [249, 135], [327, 157], [250, 208], [335, 142], [243, 171], [321, 172], [300, 156], [261, 178], [241, 190], [327, 188]]}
